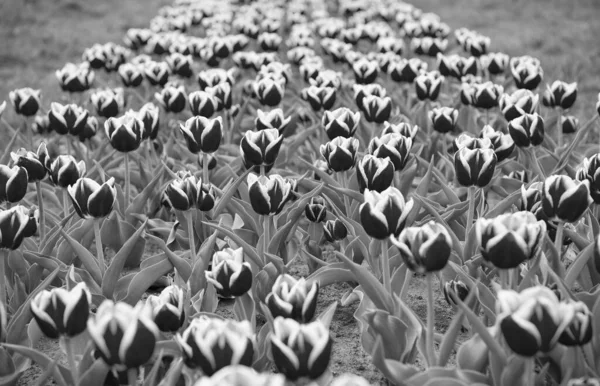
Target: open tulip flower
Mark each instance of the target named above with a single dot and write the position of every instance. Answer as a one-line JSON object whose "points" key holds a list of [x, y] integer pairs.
{"points": [[384, 214], [560, 94], [230, 275], [67, 119], [424, 249], [64, 170], [260, 148], [292, 298], [92, 200], [202, 134], [527, 72], [125, 132], [565, 199]]}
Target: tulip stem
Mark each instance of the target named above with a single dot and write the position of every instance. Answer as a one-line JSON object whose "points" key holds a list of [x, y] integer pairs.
{"points": [[344, 182], [65, 203], [204, 168], [132, 376], [189, 216], [559, 133], [431, 360], [470, 212], [127, 181], [385, 266], [38, 187], [29, 133], [529, 371], [266, 233], [3, 282], [71, 359], [558, 238], [99, 249]]}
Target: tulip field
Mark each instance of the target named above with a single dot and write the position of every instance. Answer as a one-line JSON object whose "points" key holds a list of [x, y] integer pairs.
{"points": [[272, 192]]}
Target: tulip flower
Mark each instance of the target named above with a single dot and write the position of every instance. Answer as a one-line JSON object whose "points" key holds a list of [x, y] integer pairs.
{"points": [[424, 249], [269, 41], [157, 73], [13, 183], [182, 193], [527, 72], [202, 134], [67, 119], [455, 289], [495, 63], [376, 109], [375, 173], [428, 85], [527, 130], [92, 200], [230, 274], [212, 344], [316, 210], [180, 64], [215, 76], [131, 75], [443, 119], [428, 46], [402, 128], [362, 90], [168, 308], [300, 350], [31, 162], [149, 114], [476, 44], [334, 230], [41, 123], [341, 122], [365, 71], [486, 95], [125, 132], [503, 144], [202, 104], [565, 199], [26, 101], [89, 129], [384, 214], [64, 170], [560, 94], [293, 298], [268, 194], [238, 375], [457, 66], [590, 170], [269, 90], [260, 148], [406, 70], [519, 103], [475, 167], [273, 119], [123, 336], [109, 102], [172, 98], [222, 94], [340, 153], [580, 330], [569, 124], [75, 77], [319, 97]]}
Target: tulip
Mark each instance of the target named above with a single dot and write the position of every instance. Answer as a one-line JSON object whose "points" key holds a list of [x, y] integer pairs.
{"points": [[16, 224], [384, 214], [457, 66], [125, 132], [565, 199], [365, 71], [443, 119], [319, 97], [268, 194], [108, 102], [202, 134], [467, 141], [89, 130], [64, 170], [131, 75], [300, 350], [391, 45], [214, 77], [394, 146], [211, 161], [316, 210], [580, 330], [230, 275], [495, 63], [31, 162], [362, 90], [560, 94], [269, 41], [402, 128], [406, 70], [149, 114], [569, 124], [526, 71], [273, 119], [41, 123], [92, 200], [269, 90], [424, 249], [340, 153], [67, 119], [212, 344], [202, 103], [260, 148], [181, 194], [237, 375], [222, 94], [75, 77], [428, 46], [375, 173], [590, 170], [455, 289], [334, 230], [293, 298], [510, 239], [486, 95], [13, 183], [376, 109], [157, 73], [503, 144], [519, 103], [180, 64], [527, 130], [26, 101], [124, 337], [172, 98], [341, 122], [428, 85], [474, 167], [167, 309], [477, 45]]}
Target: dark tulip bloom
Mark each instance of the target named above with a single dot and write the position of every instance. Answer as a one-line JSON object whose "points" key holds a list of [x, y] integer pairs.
{"points": [[269, 91], [180, 64], [202, 104], [123, 336], [157, 73], [362, 90], [428, 85], [41, 123], [172, 98], [149, 114], [569, 124], [580, 330], [340, 153], [374, 173], [212, 344], [316, 210], [92, 200], [334, 230], [13, 183], [486, 95], [214, 77], [384, 214], [565, 199], [300, 350], [319, 97], [90, 129], [293, 298], [503, 144], [476, 44], [510, 239], [75, 77], [424, 249], [109, 102], [16, 223], [455, 289], [222, 94], [269, 41], [260, 148], [202, 134], [273, 119], [365, 71], [560, 94], [67, 119], [64, 170], [396, 147], [131, 75], [518, 103], [137, 37], [62, 313], [495, 63], [443, 119], [428, 46], [26, 101], [125, 132], [269, 194], [376, 109], [182, 193], [230, 274], [406, 70], [401, 128], [527, 130], [475, 167], [31, 162], [527, 72], [466, 140], [590, 170], [168, 309], [457, 66]]}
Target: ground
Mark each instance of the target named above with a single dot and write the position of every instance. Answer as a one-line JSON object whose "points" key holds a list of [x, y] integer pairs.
{"points": [[39, 36]]}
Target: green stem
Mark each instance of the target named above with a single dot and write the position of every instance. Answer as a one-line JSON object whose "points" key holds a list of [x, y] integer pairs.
{"points": [[343, 180], [204, 168], [385, 266], [127, 181], [71, 359], [266, 233], [189, 216], [558, 239], [559, 132], [431, 360], [529, 371], [99, 248], [42, 226], [3, 257], [471, 211], [132, 377], [65, 202], [29, 133]]}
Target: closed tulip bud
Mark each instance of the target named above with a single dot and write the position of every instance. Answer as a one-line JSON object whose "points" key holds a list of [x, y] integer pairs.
{"points": [[300, 350], [181, 193], [125, 132], [316, 210], [527, 72], [486, 95], [123, 336], [62, 313], [273, 119], [384, 214], [396, 147], [75, 77], [202, 134], [565, 199], [475, 167], [365, 71], [202, 104], [590, 170], [157, 73], [16, 224], [222, 94], [503, 144], [560, 94], [293, 298], [424, 249], [269, 194], [172, 98], [260, 148], [334, 230], [455, 289], [180, 64], [67, 119], [531, 197], [457, 66], [92, 200], [406, 70], [527, 130], [533, 320], [212, 344], [580, 330], [131, 75], [26, 101], [569, 124], [374, 173], [319, 97], [215, 76], [510, 239], [149, 114], [518, 103], [13, 183], [167, 309], [495, 63], [376, 109], [477, 45], [31, 162], [443, 119], [109, 102], [64, 170], [269, 91], [428, 85], [90, 129], [230, 274], [341, 122], [340, 153], [205, 200]]}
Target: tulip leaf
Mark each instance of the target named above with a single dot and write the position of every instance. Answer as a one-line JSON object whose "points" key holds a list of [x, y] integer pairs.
{"points": [[231, 190], [244, 309], [456, 244], [144, 279], [326, 316], [42, 360], [578, 264], [174, 373], [503, 205], [197, 279], [113, 273], [86, 257], [331, 274], [96, 374], [395, 371], [139, 202], [248, 250], [183, 266], [581, 133]]}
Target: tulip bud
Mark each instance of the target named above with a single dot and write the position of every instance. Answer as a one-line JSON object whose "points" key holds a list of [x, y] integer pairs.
{"points": [[181, 193], [157, 73], [260, 148], [406, 70], [394, 146], [334, 230], [424, 249], [510, 239], [149, 114], [569, 124], [268, 194], [167, 309], [92, 200], [384, 214], [340, 153], [17, 223], [202, 134], [222, 94], [428, 46], [580, 330], [365, 71], [503, 144], [457, 66], [41, 123], [375, 173], [230, 275], [526, 130], [60, 312], [590, 170], [455, 289], [124, 337], [443, 119], [519, 103], [180, 64], [89, 130], [13, 183], [341, 122], [495, 63], [269, 91], [212, 344], [125, 132], [75, 77], [293, 298], [428, 85], [172, 98], [476, 44], [273, 119], [560, 94], [214, 77], [319, 97], [519, 175], [67, 119], [486, 95], [64, 170], [108, 102], [131, 75], [31, 162], [202, 104], [26, 101], [205, 200], [300, 350], [316, 210], [526, 71], [474, 167], [376, 109], [565, 199]]}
